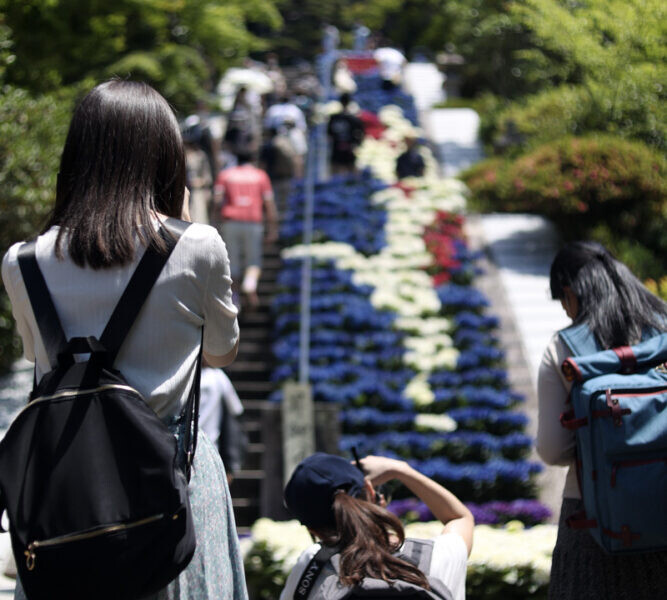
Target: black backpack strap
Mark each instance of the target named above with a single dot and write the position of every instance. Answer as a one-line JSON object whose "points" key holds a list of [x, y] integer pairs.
{"points": [[138, 288], [312, 572], [50, 328], [190, 414]]}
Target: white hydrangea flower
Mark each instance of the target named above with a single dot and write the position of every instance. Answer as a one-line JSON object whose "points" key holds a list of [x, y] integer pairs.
{"points": [[325, 250], [419, 390], [435, 422]]}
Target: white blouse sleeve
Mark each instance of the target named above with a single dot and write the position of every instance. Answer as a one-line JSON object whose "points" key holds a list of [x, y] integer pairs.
{"points": [[449, 563], [555, 444], [221, 329]]}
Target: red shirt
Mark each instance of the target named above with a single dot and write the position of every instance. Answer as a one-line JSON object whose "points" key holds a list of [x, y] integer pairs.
{"points": [[244, 188]]}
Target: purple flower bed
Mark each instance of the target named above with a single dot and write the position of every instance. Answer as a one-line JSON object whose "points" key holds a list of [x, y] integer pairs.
{"points": [[530, 512]]}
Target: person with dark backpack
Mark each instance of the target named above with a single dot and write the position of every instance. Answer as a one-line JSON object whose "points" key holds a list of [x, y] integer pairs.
{"points": [[602, 397], [109, 492], [362, 550], [346, 132]]}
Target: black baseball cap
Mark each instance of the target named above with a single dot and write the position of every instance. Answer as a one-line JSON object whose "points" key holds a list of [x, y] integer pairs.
{"points": [[309, 494]]}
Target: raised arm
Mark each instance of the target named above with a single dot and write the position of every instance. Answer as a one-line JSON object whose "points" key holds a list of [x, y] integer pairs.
{"points": [[446, 507]]}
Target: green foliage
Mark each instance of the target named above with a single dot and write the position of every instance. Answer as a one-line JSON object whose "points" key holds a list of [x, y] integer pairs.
{"points": [[486, 583], [604, 188], [550, 114], [32, 132], [179, 46], [659, 287], [614, 51], [485, 32], [265, 574]]}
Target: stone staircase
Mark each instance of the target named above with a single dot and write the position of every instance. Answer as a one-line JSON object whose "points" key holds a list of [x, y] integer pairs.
{"points": [[251, 375]]}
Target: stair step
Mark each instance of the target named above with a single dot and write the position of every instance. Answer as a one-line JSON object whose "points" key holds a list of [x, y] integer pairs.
{"points": [[249, 366], [250, 387], [256, 334], [255, 391], [256, 320], [244, 502], [254, 346]]}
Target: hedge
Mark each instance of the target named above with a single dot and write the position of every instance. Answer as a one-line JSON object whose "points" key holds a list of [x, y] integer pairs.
{"points": [[599, 187]]}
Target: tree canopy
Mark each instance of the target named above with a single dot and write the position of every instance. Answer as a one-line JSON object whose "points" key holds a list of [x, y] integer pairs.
{"points": [[179, 46]]}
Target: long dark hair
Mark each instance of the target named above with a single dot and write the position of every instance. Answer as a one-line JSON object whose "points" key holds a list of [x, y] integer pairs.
{"points": [[614, 304], [364, 535], [123, 160]]}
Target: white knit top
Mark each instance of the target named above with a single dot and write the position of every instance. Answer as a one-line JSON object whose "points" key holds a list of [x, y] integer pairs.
{"points": [[159, 354]]}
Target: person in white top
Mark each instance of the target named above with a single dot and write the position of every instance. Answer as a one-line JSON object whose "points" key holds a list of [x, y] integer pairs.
{"points": [[391, 63], [122, 172], [612, 308], [282, 111], [338, 503], [219, 412]]}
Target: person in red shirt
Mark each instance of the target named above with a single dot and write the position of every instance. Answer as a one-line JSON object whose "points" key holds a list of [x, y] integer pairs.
{"points": [[243, 197]]}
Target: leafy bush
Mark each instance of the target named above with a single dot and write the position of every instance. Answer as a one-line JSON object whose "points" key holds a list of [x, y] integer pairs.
{"points": [[32, 132], [576, 110], [604, 188], [551, 114], [659, 288]]}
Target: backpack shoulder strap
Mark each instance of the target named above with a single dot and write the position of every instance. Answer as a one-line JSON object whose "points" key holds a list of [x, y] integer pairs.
{"points": [[420, 553], [579, 339], [137, 290], [46, 316]]}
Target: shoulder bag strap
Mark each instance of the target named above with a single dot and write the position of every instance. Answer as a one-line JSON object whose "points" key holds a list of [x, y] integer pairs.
{"points": [[579, 340], [190, 414], [50, 328], [127, 310], [137, 290]]}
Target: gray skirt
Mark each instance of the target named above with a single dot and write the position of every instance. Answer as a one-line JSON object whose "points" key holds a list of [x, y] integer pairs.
{"points": [[216, 569], [581, 569]]}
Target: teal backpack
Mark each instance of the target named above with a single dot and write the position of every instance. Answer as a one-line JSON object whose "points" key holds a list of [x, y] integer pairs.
{"points": [[619, 416]]}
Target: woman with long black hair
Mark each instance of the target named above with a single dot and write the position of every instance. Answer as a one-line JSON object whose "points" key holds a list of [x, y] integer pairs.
{"points": [[609, 308], [338, 503], [122, 174]]}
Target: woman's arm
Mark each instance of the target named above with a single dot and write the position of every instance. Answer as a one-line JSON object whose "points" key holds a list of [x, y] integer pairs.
{"points": [[225, 359], [446, 507], [554, 443]]}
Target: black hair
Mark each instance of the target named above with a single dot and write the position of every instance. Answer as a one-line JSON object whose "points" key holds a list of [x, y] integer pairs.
{"points": [[345, 99], [615, 305], [123, 161], [244, 156]]}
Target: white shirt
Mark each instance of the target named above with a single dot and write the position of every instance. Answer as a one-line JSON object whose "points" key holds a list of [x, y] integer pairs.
{"points": [[216, 388], [159, 354], [277, 114], [448, 564]]}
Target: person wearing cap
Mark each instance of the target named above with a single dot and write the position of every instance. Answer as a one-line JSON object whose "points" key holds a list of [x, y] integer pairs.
{"points": [[338, 503]]}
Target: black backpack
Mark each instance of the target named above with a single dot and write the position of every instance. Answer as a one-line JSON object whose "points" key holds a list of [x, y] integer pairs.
{"points": [[93, 484]]}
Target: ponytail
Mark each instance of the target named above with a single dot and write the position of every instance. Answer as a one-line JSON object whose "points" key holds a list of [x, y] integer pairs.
{"points": [[368, 536]]}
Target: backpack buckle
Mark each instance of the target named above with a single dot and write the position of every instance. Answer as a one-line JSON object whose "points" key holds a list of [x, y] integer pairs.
{"points": [[615, 407]]}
